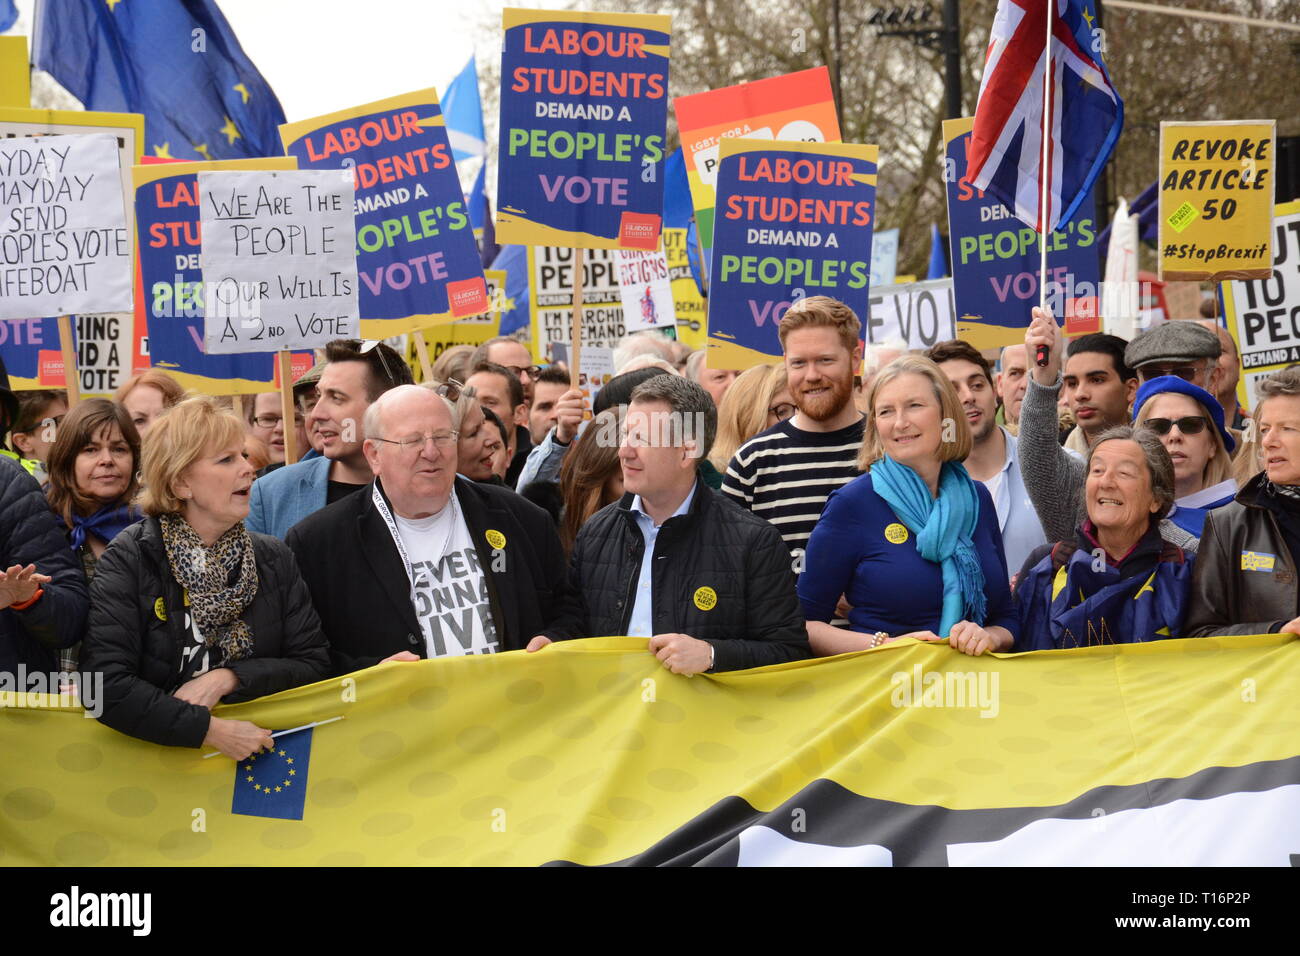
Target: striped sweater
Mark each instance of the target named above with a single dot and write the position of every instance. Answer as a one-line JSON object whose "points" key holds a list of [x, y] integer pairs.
{"points": [[785, 474]]}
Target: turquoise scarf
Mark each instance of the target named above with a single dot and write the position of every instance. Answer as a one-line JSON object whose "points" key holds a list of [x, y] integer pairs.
{"points": [[944, 529]]}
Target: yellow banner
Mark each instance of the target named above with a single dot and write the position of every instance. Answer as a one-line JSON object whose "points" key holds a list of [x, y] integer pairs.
{"points": [[15, 73], [590, 752], [1216, 200]]}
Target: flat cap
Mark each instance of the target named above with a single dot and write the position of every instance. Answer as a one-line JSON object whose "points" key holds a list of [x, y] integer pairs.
{"points": [[311, 376], [1174, 341]]}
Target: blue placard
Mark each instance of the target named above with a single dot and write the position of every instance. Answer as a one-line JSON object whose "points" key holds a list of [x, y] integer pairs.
{"points": [[996, 259], [417, 262], [584, 104], [792, 220]]}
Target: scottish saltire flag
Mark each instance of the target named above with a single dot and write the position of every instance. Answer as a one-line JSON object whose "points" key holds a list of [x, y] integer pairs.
{"points": [[463, 109], [938, 259], [274, 783], [678, 209], [178, 63], [480, 218], [1085, 111]]}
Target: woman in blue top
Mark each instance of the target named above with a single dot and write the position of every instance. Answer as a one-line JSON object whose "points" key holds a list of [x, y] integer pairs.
{"points": [[914, 544], [1189, 423]]}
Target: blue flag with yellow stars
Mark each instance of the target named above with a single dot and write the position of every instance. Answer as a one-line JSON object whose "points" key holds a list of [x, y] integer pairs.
{"points": [[176, 62], [274, 782]]}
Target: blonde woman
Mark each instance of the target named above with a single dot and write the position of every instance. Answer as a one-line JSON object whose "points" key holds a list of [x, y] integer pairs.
{"points": [[188, 609], [1189, 422], [913, 544]]}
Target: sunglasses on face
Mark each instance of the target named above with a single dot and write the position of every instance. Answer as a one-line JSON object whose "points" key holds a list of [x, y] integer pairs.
{"points": [[452, 390], [1186, 372], [1191, 425]]}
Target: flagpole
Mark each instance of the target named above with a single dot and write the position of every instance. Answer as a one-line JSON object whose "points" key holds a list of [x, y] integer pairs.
{"points": [[1040, 358], [1043, 213]]}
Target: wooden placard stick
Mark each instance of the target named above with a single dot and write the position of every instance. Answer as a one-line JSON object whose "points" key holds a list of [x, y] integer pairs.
{"points": [[575, 350], [287, 407], [69, 348], [422, 352]]}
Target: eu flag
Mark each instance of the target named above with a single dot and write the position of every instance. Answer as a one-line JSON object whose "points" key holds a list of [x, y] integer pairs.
{"points": [[274, 782], [175, 61]]}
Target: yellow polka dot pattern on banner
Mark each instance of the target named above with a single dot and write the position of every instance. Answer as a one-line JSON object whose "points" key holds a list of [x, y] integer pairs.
{"points": [[706, 599], [496, 539], [896, 533], [566, 754]]}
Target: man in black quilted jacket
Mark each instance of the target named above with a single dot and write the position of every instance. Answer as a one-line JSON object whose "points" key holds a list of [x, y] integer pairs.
{"points": [[42, 585], [709, 583]]}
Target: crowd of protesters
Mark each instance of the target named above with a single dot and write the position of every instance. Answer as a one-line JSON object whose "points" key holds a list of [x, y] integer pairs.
{"points": [[830, 503]]}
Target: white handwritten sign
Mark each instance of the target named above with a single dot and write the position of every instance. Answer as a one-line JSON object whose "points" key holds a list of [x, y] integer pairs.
{"points": [[64, 245], [646, 289], [278, 258]]}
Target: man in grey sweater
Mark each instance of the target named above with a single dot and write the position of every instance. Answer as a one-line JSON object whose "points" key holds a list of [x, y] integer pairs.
{"points": [[1099, 388]]}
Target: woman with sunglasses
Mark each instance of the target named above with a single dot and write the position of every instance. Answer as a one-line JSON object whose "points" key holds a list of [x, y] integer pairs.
{"points": [[1189, 423]]}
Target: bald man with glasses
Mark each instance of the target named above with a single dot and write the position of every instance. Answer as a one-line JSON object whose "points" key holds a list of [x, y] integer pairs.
{"points": [[421, 562]]}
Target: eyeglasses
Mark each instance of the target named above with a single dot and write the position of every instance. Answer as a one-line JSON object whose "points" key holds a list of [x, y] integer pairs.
{"points": [[270, 421], [782, 411], [441, 441], [452, 390], [519, 370], [1186, 372], [1191, 425]]}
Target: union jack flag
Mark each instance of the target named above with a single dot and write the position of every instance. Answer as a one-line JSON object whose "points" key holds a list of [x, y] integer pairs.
{"points": [[1086, 113]]}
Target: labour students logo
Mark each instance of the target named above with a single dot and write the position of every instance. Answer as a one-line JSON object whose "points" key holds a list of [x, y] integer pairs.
{"points": [[706, 599], [160, 610], [896, 533], [496, 539]]}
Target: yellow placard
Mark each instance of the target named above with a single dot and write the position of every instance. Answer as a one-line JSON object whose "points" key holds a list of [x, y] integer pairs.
{"points": [[687, 301], [1216, 200], [15, 74]]}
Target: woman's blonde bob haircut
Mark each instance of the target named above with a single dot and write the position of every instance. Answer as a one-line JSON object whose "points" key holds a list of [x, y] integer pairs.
{"points": [[950, 411], [180, 437], [1219, 467]]}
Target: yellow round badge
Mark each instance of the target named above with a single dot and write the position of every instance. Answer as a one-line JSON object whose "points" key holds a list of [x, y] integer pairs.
{"points": [[496, 539], [896, 533], [706, 599], [160, 609]]}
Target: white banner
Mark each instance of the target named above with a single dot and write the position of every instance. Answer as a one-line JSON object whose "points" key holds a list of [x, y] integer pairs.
{"points": [[279, 259], [919, 313], [551, 302], [64, 243], [646, 289]]}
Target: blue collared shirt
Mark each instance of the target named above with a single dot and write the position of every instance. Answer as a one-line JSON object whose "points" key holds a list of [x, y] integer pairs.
{"points": [[1022, 532], [641, 623]]}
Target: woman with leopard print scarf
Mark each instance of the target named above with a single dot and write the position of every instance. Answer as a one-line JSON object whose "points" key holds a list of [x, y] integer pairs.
{"points": [[188, 609]]}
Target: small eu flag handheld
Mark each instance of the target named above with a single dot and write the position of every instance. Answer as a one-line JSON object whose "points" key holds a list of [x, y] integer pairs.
{"points": [[274, 783]]}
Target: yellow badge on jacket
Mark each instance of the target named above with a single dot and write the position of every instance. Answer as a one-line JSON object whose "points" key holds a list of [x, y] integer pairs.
{"points": [[496, 539], [896, 533], [160, 610], [1257, 561], [706, 599]]}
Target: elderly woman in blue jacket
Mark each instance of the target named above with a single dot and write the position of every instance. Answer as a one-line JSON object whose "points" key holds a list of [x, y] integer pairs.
{"points": [[913, 544], [1119, 581]]}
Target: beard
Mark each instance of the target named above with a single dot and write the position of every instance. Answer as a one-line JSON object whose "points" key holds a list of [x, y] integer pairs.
{"points": [[985, 427], [827, 404]]}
